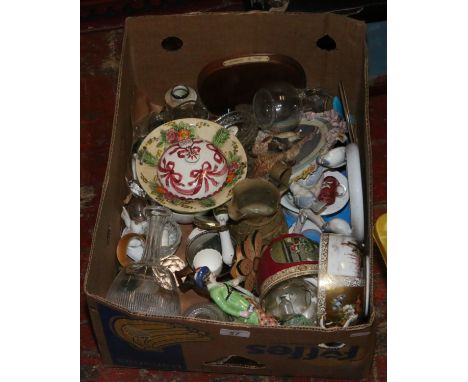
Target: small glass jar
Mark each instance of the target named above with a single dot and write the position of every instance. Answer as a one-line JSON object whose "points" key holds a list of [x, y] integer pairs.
{"points": [[186, 109], [292, 298], [207, 311]]}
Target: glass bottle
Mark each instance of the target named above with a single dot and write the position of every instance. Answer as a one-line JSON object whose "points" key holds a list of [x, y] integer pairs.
{"points": [[278, 106], [146, 286]]}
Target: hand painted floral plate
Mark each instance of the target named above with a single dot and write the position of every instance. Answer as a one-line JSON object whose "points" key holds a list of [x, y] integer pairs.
{"points": [[190, 165]]}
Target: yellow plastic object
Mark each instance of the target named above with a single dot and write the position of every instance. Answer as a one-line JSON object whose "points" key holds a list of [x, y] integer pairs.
{"points": [[380, 235]]}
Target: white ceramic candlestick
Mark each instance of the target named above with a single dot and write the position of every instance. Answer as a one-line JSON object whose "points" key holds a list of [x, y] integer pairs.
{"points": [[227, 248]]}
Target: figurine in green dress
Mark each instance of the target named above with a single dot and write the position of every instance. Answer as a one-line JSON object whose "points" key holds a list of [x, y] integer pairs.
{"points": [[233, 299]]}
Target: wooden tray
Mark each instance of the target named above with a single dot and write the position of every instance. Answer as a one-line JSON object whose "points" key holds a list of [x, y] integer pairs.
{"points": [[227, 82]]}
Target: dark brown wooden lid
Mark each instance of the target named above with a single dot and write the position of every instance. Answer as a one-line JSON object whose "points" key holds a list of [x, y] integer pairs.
{"points": [[231, 81]]}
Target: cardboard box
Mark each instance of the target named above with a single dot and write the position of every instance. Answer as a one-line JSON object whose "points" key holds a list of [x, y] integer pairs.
{"points": [[177, 343]]}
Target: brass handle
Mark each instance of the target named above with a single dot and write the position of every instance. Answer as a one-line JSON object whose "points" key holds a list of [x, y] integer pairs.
{"points": [[280, 175], [207, 224]]}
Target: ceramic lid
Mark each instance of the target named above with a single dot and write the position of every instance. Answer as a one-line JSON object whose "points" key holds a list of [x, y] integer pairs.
{"points": [[194, 142], [192, 169]]}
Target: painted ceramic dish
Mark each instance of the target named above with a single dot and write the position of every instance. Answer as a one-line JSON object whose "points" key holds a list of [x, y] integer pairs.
{"points": [[316, 144], [190, 165], [287, 200]]}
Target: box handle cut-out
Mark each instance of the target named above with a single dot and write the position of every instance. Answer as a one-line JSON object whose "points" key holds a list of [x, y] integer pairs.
{"points": [[326, 43], [332, 345], [236, 361], [172, 43]]}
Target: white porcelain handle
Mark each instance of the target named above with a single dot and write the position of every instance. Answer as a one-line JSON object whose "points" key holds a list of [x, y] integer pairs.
{"points": [[227, 249]]}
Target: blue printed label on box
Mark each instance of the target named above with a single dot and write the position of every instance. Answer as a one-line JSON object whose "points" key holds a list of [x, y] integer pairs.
{"points": [[144, 343]]}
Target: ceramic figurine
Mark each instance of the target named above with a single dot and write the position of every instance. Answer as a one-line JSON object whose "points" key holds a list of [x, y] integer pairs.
{"points": [[338, 130], [335, 225], [304, 198], [232, 299], [186, 280], [313, 178], [300, 222], [334, 158], [328, 190], [313, 217], [133, 226], [284, 141]]}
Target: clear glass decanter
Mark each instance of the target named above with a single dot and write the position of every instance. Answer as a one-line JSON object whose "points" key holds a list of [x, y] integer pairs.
{"points": [[146, 286], [278, 107]]}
